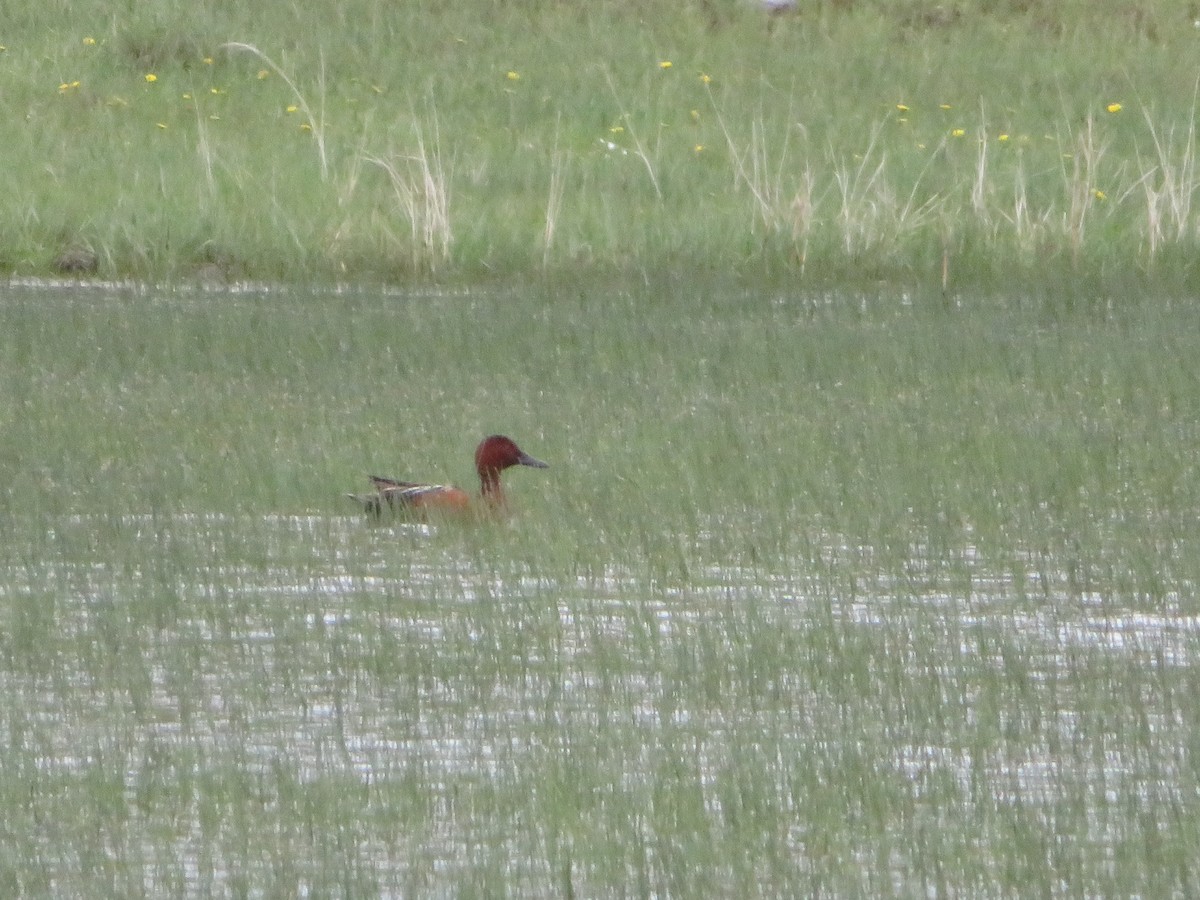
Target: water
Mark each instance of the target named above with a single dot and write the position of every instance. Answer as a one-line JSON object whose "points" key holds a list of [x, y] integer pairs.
{"points": [[201, 666], [843, 596]]}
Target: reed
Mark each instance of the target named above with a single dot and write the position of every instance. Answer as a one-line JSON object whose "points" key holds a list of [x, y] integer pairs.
{"points": [[421, 190], [1169, 183]]}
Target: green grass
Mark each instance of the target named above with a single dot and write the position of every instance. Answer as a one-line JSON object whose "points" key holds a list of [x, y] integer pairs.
{"points": [[366, 141], [852, 575], [823, 594]]}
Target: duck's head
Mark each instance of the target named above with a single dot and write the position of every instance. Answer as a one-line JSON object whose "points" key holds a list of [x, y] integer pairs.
{"points": [[497, 452]]}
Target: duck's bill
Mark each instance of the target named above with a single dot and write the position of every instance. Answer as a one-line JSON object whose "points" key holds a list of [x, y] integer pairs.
{"points": [[526, 460]]}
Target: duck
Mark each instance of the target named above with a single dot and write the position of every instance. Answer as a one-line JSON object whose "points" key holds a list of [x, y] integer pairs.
{"points": [[495, 453]]}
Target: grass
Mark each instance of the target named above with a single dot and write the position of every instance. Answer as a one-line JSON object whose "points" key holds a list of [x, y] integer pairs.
{"points": [[853, 574], [490, 141], [823, 594]]}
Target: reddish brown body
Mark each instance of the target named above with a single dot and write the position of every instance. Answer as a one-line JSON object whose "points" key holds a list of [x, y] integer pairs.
{"points": [[493, 455]]}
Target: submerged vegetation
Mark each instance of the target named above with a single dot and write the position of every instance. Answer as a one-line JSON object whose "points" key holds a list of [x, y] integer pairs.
{"points": [[960, 143], [824, 595]]}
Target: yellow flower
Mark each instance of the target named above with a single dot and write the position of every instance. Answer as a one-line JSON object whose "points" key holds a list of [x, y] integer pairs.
{"points": [[513, 76], [187, 96], [944, 106], [216, 90], [68, 86], [957, 132], [304, 126], [89, 41], [264, 73], [1113, 107], [705, 79], [1003, 138], [699, 148], [151, 78], [162, 125], [1099, 194], [665, 64], [291, 108], [902, 107], [695, 115], [617, 129], [208, 60]]}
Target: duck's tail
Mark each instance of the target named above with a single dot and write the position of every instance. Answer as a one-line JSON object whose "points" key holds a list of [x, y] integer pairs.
{"points": [[372, 504]]}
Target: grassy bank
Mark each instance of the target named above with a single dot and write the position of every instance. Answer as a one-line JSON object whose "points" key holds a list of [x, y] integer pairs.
{"points": [[965, 143]]}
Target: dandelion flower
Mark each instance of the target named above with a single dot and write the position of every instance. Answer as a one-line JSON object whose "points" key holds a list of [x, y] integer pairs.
{"points": [[264, 74], [186, 96], [1113, 107], [216, 90], [699, 148], [151, 78], [304, 126], [944, 106], [901, 107], [207, 61], [695, 114], [291, 108], [1003, 138], [665, 64], [957, 132], [705, 79], [68, 86], [513, 76], [617, 129], [1099, 194], [89, 41], [161, 125]]}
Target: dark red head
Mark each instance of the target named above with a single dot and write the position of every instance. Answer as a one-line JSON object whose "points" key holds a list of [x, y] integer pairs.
{"points": [[497, 452]]}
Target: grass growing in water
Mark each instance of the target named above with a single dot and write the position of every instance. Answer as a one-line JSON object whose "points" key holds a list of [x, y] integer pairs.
{"points": [[486, 140], [757, 630]]}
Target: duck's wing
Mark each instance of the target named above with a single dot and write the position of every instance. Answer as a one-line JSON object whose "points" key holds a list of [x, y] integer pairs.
{"points": [[412, 495], [389, 484]]}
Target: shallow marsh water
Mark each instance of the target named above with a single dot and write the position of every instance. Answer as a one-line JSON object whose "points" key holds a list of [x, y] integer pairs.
{"points": [[896, 655]]}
